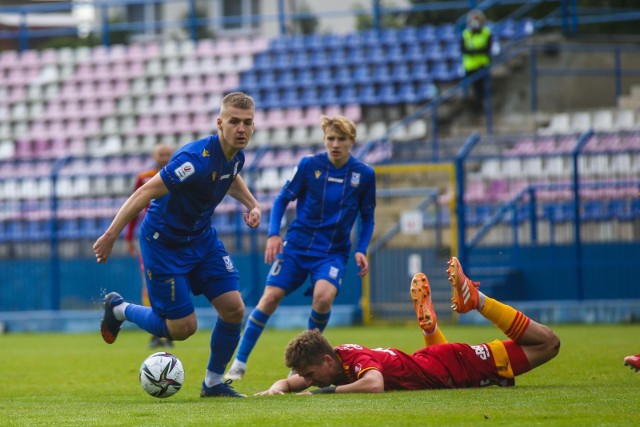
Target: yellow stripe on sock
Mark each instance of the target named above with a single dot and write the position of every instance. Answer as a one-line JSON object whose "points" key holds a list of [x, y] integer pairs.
{"points": [[509, 320]]}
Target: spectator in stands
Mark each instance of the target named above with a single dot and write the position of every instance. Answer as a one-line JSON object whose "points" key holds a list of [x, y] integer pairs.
{"points": [[181, 251], [352, 368], [161, 155], [633, 362], [331, 189], [476, 54]]}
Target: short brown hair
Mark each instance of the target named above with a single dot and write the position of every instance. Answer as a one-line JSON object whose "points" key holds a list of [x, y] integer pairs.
{"points": [[308, 348], [340, 124], [238, 100]]}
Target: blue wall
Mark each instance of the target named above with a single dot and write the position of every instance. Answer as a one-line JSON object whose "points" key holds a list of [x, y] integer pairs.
{"points": [[26, 284]]}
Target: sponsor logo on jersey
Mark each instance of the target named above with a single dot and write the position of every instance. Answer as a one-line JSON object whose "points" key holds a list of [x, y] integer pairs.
{"points": [[184, 171], [318, 174], [334, 179], [225, 176], [205, 152], [355, 179], [227, 262], [357, 368]]}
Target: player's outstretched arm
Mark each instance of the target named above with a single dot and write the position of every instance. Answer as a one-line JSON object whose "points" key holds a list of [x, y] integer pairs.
{"points": [[294, 383], [153, 189]]}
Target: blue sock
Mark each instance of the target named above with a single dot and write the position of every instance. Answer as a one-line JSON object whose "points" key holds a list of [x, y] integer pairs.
{"points": [[255, 325], [145, 318], [318, 320], [224, 340]]}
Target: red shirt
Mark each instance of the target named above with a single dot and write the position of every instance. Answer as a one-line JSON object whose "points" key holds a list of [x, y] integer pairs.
{"points": [[141, 179], [452, 365]]}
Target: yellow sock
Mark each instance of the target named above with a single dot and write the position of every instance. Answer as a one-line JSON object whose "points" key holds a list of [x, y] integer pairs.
{"points": [[437, 337], [509, 320]]}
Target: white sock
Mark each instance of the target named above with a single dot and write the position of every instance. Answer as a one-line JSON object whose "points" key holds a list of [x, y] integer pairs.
{"points": [[118, 311], [481, 298], [211, 378], [238, 364]]}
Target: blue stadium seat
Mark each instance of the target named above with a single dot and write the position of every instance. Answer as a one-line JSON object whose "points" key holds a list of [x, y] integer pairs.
{"points": [[368, 94], [433, 52], [395, 54], [248, 80], [318, 59], [387, 94], [271, 99], [266, 79], [389, 37], [408, 36], [300, 60], [290, 98], [337, 57], [305, 78], [343, 76], [309, 96], [415, 54], [427, 34], [324, 76], [262, 61], [355, 56], [407, 93], [362, 74], [328, 95], [286, 79], [381, 74], [420, 71], [376, 55], [400, 73], [447, 33], [348, 94]]}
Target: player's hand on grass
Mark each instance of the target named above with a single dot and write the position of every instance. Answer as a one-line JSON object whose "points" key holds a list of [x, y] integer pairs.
{"points": [[252, 218], [103, 247], [273, 248], [272, 391]]}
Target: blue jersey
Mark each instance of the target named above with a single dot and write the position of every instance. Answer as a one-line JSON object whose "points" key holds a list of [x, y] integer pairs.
{"points": [[198, 177], [328, 202]]}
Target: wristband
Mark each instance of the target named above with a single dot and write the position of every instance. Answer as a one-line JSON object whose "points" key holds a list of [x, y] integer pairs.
{"points": [[324, 390]]}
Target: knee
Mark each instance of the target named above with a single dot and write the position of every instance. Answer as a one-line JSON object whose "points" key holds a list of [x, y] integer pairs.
{"points": [[183, 330], [234, 314], [552, 343], [322, 303], [269, 302]]}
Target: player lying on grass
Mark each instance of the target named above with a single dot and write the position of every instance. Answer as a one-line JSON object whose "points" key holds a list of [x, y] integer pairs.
{"points": [[352, 368]]}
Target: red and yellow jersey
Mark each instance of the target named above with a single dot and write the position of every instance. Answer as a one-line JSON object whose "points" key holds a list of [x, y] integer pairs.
{"points": [[141, 179], [451, 365]]}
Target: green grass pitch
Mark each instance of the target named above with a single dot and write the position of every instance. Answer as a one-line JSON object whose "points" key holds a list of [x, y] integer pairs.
{"points": [[77, 380]]}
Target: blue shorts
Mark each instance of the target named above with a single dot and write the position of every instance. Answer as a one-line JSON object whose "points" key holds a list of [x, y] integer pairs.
{"points": [[173, 272], [290, 270]]}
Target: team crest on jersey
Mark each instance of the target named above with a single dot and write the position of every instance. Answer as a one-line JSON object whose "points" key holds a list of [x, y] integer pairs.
{"points": [[205, 152], [355, 179], [318, 173], [227, 262], [333, 272], [184, 171]]}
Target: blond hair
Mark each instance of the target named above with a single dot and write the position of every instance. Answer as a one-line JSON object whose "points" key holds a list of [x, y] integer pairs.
{"points": [[341, 124], [238, 100]]}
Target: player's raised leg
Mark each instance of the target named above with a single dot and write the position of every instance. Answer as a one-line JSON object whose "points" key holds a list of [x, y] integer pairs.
{"points": [[539, 343], [425, 314]]}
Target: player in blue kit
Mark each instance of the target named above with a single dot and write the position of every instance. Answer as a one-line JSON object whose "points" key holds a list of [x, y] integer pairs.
{"points": [[331, 189], [181, 252]]}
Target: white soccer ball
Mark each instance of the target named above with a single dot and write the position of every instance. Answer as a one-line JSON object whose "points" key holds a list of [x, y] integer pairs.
{"points": [[161, 374]]}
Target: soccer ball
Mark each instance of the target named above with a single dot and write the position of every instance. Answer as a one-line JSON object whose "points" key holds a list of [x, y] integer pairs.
{"points": [[161, 374]]}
